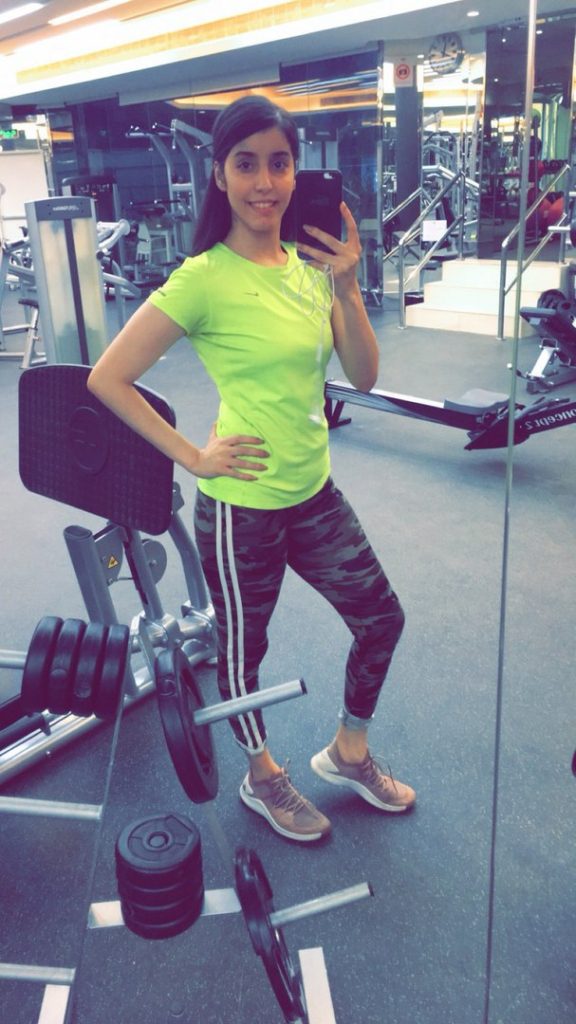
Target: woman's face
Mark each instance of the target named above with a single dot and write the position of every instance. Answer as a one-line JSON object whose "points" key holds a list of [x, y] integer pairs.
{"points": [[258, 177]]}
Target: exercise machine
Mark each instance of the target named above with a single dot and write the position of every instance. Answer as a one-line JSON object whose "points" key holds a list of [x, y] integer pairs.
{"points": [[63, 242], [553, 319], [152, 250], [180, 209], [103, 189], [75, 451], [116, 284], [482, 414], [16, 271]]}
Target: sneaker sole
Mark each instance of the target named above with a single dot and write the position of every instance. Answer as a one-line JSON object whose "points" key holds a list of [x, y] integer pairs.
{"points": [[256, 805], [317, 766]]}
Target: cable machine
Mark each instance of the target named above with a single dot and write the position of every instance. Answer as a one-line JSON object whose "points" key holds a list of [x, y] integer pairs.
{"points": [[63, 242], [184, 197]]}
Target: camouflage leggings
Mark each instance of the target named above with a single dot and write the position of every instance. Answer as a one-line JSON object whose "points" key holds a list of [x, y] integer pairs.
{"points": [[244, 554]]}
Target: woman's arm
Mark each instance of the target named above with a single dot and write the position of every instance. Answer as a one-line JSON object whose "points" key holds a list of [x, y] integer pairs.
{"points": [[354, 338], [145, 338]]}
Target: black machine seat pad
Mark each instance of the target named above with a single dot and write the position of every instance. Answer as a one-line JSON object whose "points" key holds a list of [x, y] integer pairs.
{"points": [[74, 450]]}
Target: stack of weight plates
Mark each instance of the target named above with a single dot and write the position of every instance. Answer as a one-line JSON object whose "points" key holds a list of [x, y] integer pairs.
{"points": [[159, 874], [75, 667]]}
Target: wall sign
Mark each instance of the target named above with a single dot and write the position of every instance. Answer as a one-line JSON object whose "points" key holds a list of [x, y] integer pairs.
{"points": [[403, 74]]}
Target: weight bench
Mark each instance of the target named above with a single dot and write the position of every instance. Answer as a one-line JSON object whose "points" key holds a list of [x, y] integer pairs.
{"points": [[556, 363]]}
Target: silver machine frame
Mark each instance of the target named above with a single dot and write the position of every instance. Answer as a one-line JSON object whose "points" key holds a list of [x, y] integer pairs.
{"points": [[63, 242]]}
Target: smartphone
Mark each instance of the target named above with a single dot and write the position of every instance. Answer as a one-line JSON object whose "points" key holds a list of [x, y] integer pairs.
{"points": [[317, 203]]}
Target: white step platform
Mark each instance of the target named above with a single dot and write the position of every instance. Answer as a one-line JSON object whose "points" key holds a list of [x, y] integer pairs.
{"points": [[466, 298]]}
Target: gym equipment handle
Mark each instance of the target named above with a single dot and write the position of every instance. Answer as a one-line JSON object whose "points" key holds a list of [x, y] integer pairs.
{"points": [[50, 808], [44, 975], [250, 702], [13, 659], [278, 918]]}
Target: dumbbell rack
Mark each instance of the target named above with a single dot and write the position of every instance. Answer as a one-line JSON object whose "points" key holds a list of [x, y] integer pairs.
{"points": [[218, 902], [303, 995], [174, 678]]}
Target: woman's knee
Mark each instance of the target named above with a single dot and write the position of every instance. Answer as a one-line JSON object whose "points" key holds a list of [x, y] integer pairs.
{"points": [[397, 615], [382, 623]]}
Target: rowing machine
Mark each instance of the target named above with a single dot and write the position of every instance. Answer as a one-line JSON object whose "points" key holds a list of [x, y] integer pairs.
{"points": [[482, 414]]}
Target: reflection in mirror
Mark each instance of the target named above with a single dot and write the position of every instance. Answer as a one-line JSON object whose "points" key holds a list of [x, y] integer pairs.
{"points": [[431, 133], [550, 127], [434, 514]]}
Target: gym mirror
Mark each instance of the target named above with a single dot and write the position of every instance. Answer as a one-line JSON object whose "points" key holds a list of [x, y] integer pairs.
{"points": [[477, 544]]}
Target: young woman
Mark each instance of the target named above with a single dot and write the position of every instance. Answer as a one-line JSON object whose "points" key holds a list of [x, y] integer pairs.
{"points": [[264, 322]]}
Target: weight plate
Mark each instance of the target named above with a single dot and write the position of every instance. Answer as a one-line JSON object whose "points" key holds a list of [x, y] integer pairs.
{"points": [[286, 981], [255, 896], [63, 668], [164, 913], [34, 690], [137, 876], [152, 896], [158, 851], [109, 688], [88, 669], [156, 557], [190, 745], [163, 930], [551, 298]]}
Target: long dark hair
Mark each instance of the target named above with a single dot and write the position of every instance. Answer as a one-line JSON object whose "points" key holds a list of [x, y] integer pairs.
{"points": [[240, 119]]}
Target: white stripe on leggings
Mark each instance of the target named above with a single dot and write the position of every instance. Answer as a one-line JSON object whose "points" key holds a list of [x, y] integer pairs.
{"points": [[233, 598]]}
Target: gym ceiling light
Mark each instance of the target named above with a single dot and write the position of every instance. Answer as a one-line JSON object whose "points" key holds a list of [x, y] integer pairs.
{"points": [[19, 12], [103, 5]]}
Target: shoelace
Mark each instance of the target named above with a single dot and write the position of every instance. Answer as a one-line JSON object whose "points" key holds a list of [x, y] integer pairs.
{"points": [[285, 794], [375, 773]]}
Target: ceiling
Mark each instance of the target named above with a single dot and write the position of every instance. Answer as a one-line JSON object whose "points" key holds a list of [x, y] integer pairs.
{"points": [[34, 27], [329, 28]]}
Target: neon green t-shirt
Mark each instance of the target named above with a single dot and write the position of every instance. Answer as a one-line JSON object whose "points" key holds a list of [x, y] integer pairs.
{"points": [[264, 336]]}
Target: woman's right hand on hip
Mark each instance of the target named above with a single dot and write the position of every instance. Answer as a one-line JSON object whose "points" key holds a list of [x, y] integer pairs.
{"points": [[235, 455]]}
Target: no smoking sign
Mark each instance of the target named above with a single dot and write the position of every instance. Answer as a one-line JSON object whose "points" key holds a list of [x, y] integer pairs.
{"points": [[403, 74]]}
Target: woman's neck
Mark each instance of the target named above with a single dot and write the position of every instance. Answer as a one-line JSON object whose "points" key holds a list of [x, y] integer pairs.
{"points": [[266, 250]]}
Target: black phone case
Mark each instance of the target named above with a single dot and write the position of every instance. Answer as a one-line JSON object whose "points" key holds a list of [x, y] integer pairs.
{"points": [[318, 198]]}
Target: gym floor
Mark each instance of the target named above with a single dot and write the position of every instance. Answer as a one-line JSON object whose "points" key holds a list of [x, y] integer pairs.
{"points": [[420, 951]]}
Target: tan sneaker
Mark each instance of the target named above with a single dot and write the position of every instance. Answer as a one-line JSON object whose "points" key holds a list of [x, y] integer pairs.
{"points": [[284, 808], [367, 779]]}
